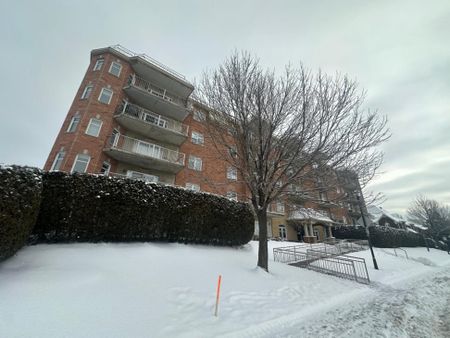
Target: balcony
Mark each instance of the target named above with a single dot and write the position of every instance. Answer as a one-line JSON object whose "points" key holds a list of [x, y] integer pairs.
{"points": [[326, 204], [156, 71], [154, 98], [145, 154], [150, 124]]}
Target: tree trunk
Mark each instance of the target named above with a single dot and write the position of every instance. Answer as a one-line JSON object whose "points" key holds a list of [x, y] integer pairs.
{"points": [[263, 258]]}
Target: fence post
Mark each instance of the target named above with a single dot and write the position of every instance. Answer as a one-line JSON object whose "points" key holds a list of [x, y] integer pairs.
{"points": [[354, 271]]}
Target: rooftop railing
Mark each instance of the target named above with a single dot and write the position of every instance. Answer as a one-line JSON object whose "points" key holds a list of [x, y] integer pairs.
{"points": [[149, 59], [149, 117]]}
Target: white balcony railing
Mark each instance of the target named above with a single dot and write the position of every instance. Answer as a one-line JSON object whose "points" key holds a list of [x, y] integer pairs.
{"points": [[149, 87], [152, 118], [147, 149]]}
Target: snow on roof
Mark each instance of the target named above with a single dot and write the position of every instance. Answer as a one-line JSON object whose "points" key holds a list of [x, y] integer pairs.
{"points": [[376, 213], [308, 214], [416, 225]]}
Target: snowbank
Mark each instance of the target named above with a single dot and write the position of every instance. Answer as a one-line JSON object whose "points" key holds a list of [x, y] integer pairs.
{"points": [[168, 290]]}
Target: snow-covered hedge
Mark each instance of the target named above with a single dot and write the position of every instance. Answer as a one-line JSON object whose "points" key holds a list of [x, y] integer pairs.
{"points": [[382, 237], [87, 208], [349, 232], [387, 237], [20, 196]]}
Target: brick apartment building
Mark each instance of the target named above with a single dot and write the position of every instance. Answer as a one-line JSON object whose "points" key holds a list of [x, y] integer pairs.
{"points": [[134, 117]]}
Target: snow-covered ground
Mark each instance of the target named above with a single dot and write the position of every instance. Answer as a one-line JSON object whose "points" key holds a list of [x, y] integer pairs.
{"points": [[168, 290]]}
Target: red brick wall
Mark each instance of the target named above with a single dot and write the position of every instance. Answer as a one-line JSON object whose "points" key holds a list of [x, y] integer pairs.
{"points": [[213, 177], [78, 142]]}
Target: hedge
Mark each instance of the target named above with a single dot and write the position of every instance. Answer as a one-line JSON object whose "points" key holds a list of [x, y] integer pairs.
{"points": [[20, 196], [387, 237], [89, 208], [382, 237]]}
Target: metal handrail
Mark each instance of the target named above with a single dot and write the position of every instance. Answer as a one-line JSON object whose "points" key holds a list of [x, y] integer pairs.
{"points": [[144, 148], [329, 259], [406, 254], [149, 117], [153, 89], [149, 59]]}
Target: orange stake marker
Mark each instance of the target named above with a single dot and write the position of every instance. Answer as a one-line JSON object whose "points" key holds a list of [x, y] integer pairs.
{"points": [[218, 295]]}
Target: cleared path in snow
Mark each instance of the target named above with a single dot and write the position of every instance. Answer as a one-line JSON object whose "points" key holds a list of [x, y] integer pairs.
{"points": [[420, 308]]}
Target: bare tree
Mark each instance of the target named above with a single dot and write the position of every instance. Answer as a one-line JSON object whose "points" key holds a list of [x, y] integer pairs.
{"points": [[283, 130], [432, 214]]}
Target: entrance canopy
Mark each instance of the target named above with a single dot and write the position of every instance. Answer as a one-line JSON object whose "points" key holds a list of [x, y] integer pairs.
{"points": [[308, 214]]}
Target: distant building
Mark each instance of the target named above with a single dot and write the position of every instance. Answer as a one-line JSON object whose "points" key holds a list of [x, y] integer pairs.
{"points": [[134, 117]]}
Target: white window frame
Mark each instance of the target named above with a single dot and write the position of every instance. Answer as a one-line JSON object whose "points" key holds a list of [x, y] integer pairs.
{"points": [[232, 173], [105, 90], [195, 163], [279, 207], [199, 116], [232, 195], [197, 138], [113, 63], [76, 160], [192, 186], [233, 151], [91, 121], [98, 64], [106, 173], [282, 231], [87, 92], [59, 157], [72, 121]]}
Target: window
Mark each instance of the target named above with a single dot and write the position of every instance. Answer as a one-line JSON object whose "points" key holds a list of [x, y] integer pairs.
{"points": [[344, 220], [232, 195], [115, 68], [99, 64], [192, 186], [197, 138], [87, 92], [280, 207], [195, 163], [74, 123], [199, 116], [282, 231], [105, 95], [106, 167], [58, 161], [231, 173], [81, 163], [94, 127], [233, 151]]}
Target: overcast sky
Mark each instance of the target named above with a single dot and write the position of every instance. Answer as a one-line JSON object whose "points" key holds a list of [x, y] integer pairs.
{"points": [[399, 51]]}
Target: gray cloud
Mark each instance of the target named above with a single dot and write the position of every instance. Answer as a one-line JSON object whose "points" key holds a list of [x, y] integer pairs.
{"points": [[398, 51]]}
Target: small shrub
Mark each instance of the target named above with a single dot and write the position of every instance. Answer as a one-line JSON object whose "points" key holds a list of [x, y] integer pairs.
{"points": [[20, 196], [88, 208]]}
